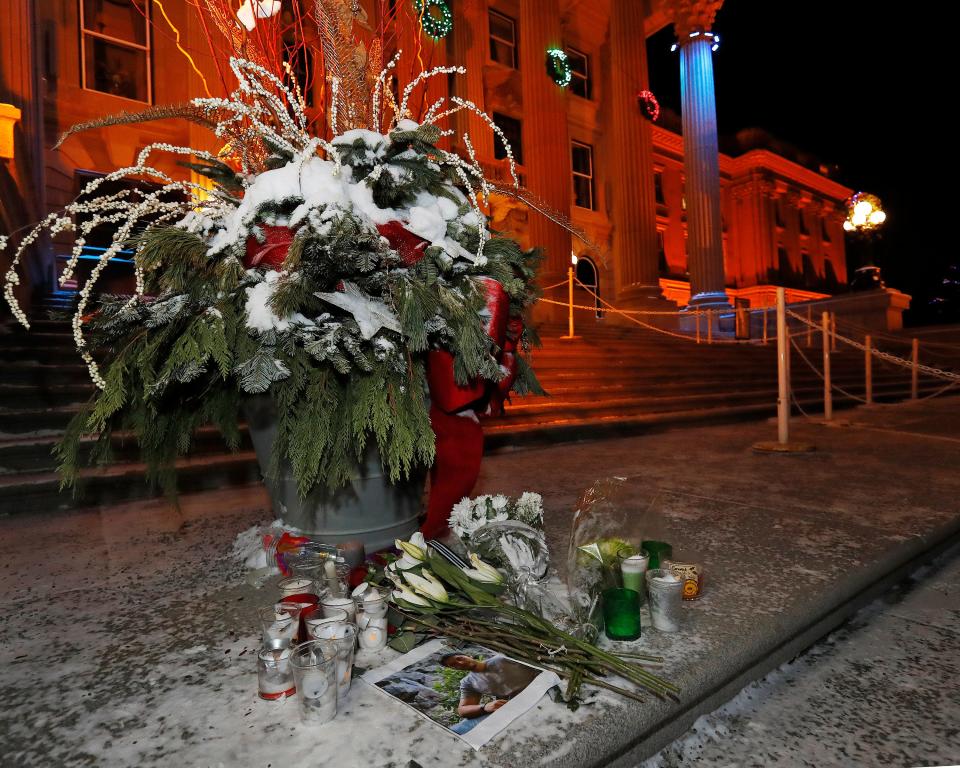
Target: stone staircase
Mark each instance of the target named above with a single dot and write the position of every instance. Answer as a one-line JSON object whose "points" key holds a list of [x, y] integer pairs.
{"points": [[613, 381]]}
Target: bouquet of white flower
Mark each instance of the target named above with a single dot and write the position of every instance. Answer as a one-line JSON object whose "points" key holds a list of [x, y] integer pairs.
{"points": [[469, 515]]}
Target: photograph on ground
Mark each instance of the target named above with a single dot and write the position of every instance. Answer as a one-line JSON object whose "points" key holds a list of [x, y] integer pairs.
{"points": [[470, 690]]}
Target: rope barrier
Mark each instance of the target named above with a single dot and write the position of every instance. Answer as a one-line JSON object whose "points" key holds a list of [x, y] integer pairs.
{"points": [[929, 370]]}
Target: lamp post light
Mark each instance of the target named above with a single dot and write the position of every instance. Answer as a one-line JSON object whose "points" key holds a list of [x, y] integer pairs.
{"points": [[865, 216]]}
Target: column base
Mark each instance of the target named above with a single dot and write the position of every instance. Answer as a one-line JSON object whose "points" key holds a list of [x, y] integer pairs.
{"points": [[710, 300]]}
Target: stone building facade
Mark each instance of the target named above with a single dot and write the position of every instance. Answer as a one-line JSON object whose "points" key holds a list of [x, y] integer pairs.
{"points": [[586, 150]]}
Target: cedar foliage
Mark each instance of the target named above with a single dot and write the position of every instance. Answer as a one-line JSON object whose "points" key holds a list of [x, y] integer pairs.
{"points": [[188, 356]]}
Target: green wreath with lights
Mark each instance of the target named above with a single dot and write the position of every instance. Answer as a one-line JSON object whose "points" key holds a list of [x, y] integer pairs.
{"points": [[435, 17], [559, 67]]}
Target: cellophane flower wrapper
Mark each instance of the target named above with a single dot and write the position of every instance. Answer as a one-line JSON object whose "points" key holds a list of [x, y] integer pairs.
{"points": [[605, 525], [520, 551]]}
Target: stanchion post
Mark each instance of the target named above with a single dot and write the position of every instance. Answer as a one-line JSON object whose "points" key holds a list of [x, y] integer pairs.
{"points": [[783, 370], [868, 368], [827, 388], [915, 369], [570, 333], [809, 326]]}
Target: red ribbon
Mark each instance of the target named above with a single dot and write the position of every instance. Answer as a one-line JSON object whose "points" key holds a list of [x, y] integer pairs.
{"points": [[455, 410], [273, 251]]}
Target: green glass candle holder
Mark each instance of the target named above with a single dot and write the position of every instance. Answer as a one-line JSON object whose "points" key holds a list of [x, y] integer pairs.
{"points": [[621, 614], [658, 551]]}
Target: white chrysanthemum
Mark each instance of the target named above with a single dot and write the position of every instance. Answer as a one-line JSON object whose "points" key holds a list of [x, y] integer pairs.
{"points": [[464, 519], [500, 502]]}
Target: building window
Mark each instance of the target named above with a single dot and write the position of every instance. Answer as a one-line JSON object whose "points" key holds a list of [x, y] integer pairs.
{"points": [[115, 47], [658, 188], [662, 253], [783, 265], [803, 223], [503, 39], [582, 165], [809, 271], [778, 212], [580, 84], [824, 231], [513, 131]]}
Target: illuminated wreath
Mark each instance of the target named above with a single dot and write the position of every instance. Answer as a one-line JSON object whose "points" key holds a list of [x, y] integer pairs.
{"points": [[649, 105], [558, 67], [435, 16]]}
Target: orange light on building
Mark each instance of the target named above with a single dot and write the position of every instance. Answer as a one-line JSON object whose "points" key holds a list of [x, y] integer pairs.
{"points": [[9, 115]]}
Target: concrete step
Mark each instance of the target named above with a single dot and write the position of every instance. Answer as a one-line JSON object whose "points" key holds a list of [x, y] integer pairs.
{"points": [[40, 492]]}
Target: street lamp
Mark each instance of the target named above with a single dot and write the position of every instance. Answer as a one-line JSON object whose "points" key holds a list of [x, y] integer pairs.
{"points": [[865, 215]]}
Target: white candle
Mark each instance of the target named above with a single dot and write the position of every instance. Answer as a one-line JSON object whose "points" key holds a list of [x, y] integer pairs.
{"points": [[318, 699], [665, 601], [275, 677], [374, 635], [297, 586], [633, 568], [332, 604]]}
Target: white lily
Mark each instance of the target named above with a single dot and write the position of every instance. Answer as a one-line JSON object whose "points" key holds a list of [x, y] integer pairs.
{"points": [[406, 595], [427, 585], [483, 572], [251, 10], [414, 552]]}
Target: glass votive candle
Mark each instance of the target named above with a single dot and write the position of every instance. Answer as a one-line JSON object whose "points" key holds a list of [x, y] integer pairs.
{"points": [[330, 604], [314, 669], [296, 586], [632, 568], [666, 599], [274, 674], [657, 552], [279, 624], [621, 614], [372, 632], [319, 620], [336, 575], [344, 636]]}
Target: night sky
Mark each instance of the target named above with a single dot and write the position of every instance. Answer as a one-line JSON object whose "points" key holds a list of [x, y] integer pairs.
{"points": [[855, 85]]}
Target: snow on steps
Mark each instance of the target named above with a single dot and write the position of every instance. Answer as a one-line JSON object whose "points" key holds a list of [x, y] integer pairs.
{"points": [[615, 381]]}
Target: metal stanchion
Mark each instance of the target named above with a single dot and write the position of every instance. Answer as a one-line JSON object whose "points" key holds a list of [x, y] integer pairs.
{"points": [[827, 389], [915, 369], [783, 444], [868, 368], [570, 333]]}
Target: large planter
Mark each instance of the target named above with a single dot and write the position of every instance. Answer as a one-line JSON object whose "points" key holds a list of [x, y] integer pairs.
{"points": [[369, 507]]}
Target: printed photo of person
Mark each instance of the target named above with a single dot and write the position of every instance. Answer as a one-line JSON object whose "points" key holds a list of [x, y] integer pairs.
{"points": [[463, 686], [488, 685]]}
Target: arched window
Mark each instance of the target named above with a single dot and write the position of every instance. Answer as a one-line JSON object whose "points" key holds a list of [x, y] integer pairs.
{"points": [[589, 277]]}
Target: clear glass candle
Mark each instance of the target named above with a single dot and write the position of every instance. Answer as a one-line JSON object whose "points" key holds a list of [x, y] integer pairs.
{"points": [[314, 667], [633, 568], [314, 623], [666, 599], [278, 624], [274, 674], [344, 636]]}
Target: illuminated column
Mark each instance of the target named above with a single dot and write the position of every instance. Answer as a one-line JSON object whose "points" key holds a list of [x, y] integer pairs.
{"points": [[546, 138], [635, 250], [470, 49], [701, 164]]}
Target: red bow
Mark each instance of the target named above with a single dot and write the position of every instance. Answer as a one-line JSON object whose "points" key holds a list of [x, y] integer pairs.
{"points": [[273, 251], [455, 408]]}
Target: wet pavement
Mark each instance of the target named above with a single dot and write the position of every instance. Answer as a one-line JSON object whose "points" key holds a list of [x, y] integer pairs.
{"points": [[129, 633]]}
